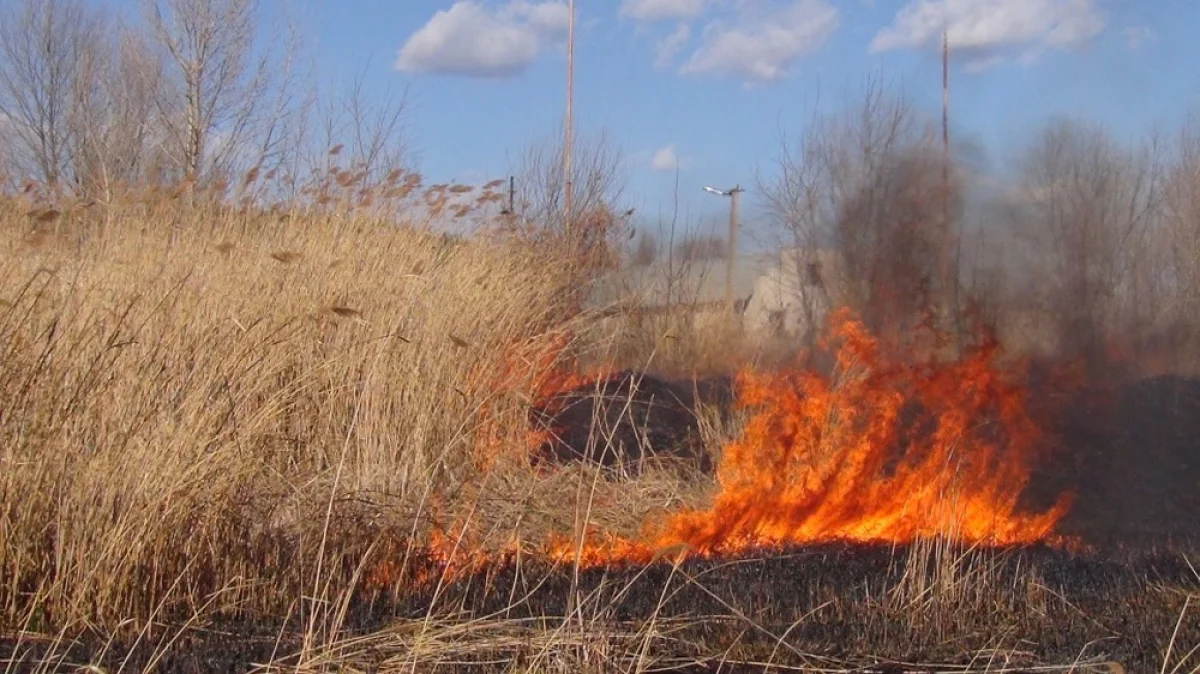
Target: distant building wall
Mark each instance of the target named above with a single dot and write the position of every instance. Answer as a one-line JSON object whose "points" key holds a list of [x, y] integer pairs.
{"points": [[795, 295], [781, 294]]}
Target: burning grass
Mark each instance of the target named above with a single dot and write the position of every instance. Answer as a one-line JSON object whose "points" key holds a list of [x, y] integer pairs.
{"points": [[886, 447], [306, 440]]}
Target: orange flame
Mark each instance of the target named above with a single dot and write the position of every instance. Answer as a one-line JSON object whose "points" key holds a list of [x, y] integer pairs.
{"points": [[889, 448], [532, 369], [815, 461]]}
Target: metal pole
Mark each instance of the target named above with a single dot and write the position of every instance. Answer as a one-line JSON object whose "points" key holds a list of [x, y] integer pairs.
{"points": [[568, 131], [949, 272], [945, 165], [512, 194], [732, 254]]}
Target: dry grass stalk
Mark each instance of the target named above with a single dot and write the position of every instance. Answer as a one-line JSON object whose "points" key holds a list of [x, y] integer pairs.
{"points": [[159, 407]]}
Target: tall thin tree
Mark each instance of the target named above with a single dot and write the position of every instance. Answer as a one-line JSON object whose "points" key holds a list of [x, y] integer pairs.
{"points": [[42, 48], [229, 88]]}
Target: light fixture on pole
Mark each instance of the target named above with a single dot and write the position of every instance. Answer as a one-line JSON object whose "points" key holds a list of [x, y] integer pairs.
{"points": [[731, 253]]}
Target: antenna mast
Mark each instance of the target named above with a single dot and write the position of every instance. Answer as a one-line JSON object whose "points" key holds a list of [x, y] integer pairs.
{"points": [[568, 140], [945, 153], [949, 274]]}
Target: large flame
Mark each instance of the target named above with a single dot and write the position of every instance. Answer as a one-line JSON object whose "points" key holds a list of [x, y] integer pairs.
{"points": [[884, 450], [891, 446]]}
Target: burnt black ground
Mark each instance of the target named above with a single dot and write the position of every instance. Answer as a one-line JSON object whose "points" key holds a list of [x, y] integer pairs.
{"points": [[629, 417], [829, 601], [1133, 462]]}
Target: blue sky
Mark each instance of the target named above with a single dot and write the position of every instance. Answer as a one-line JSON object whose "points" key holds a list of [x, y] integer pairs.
{"points": [[712, 82]]}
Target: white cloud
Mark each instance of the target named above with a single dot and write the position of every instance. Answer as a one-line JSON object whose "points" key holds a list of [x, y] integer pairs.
{"points": [[656, 10], [666, 159], [469, 39], [670, 45], [989, 30], [762, 49], [1137, 36], [547, 18]]}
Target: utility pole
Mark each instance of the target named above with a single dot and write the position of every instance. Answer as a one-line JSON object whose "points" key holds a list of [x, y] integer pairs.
{"points": [[731, 254], [945, 163], [568, 131], [949, 273]]}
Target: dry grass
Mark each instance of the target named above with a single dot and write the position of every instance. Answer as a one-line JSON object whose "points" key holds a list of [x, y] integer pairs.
{"points": [[192, 407], [211, 414]]}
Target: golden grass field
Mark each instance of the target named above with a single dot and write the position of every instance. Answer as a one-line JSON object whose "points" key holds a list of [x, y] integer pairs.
{"points": [[207, 413]]}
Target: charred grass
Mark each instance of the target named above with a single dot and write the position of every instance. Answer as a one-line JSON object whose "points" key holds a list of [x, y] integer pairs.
{"points": [[217, 426], [833, 606], [830, 608]]}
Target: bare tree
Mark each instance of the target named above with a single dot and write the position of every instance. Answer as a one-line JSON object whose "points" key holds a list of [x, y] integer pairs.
{"points": [[226, 92], [891, 240], [118, 136], [1174, 251], [43, 46], [858, 201], [377, 134], [1086, 206], [599, 221], [702, 247], [596, 170], [645, 250], [368, 139], [1182, 196]]}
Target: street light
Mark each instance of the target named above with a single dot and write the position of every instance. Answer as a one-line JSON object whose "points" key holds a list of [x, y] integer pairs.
{"points": [[733, 232]]}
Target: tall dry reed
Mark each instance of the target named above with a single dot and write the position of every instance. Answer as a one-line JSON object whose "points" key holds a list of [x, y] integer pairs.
{"points": [[203, 403]]}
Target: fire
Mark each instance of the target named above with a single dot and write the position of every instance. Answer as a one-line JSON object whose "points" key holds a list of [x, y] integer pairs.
{"points": [[884, 450], [890, 447], [532, 369]]}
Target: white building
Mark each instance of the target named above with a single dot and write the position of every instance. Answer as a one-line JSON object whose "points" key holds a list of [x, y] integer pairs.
{"points": [[794, 294], [776, 294]]}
